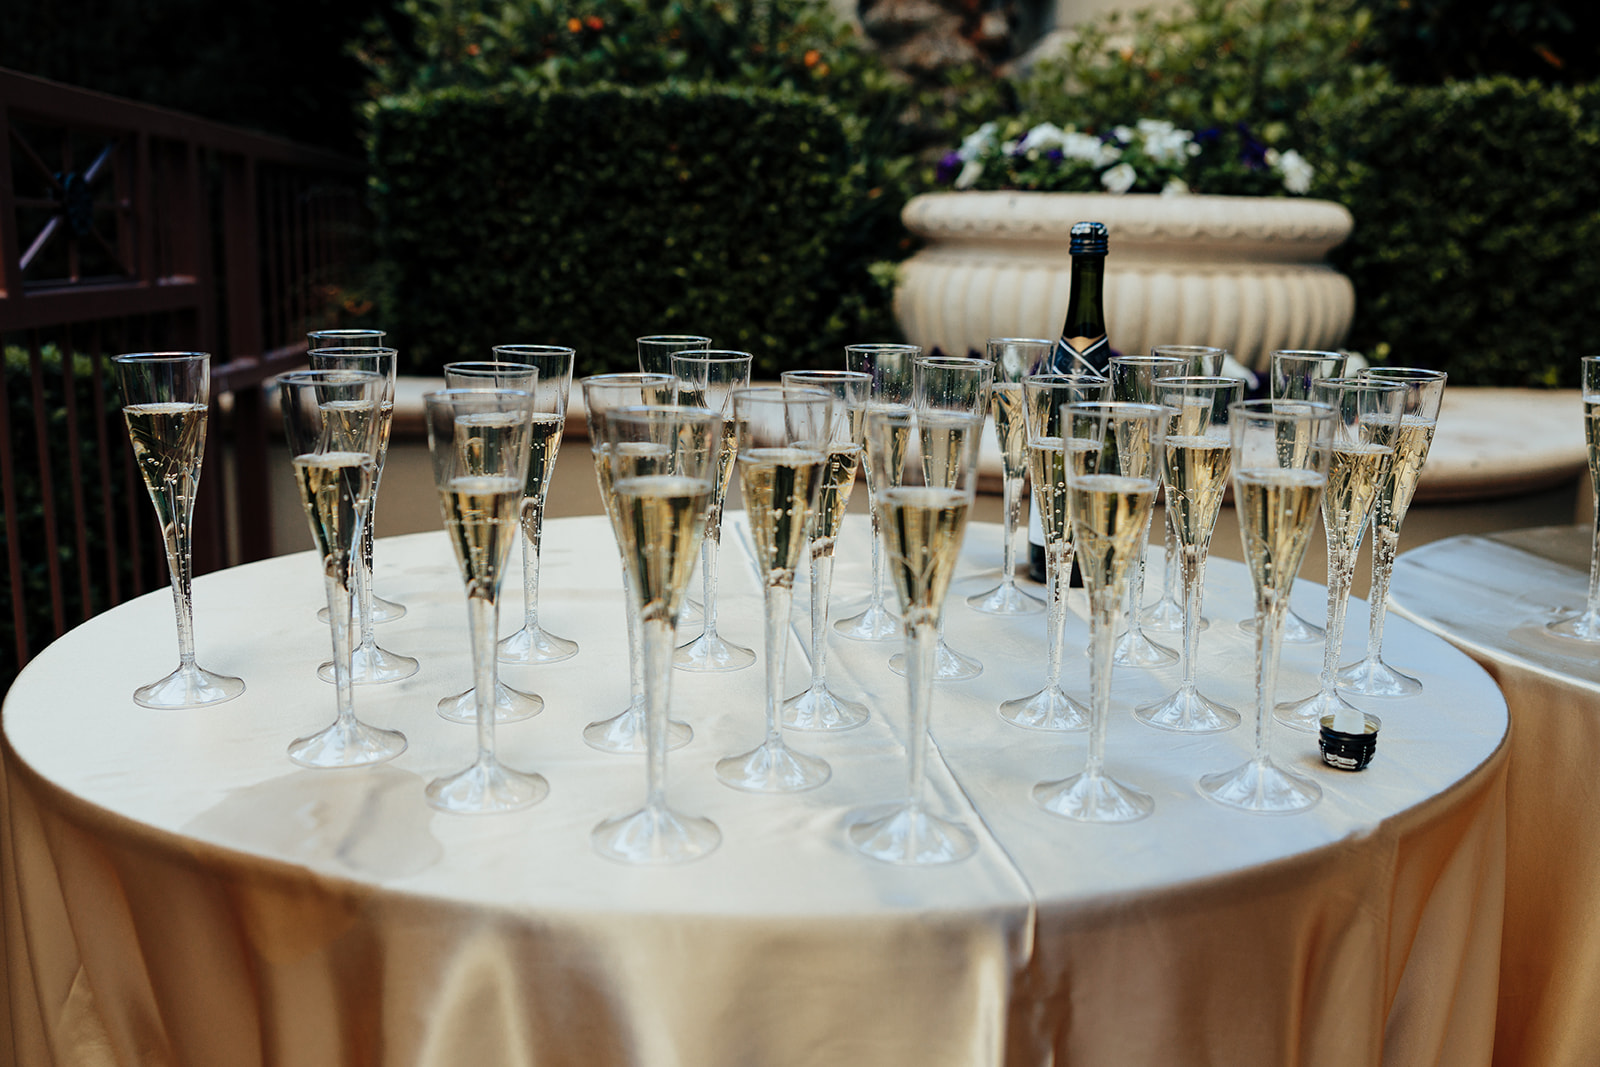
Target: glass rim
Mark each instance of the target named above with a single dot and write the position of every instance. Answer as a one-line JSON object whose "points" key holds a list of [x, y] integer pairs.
{"points": [[627, 377], [670, 338], [1062, 378], [1279, 409], [1144, 360], [953, 361], [1405, 374], [322, 377], [542, 350], [843, 375], [1117, 407], [458, 393], [160, 357], [1196, 381], [1158, 350], [1353, 381], [714, 355], [352, 350], [1019, 341], [1317, 353], [347, 332], [779, 393], [650, 412], [876, 347]]}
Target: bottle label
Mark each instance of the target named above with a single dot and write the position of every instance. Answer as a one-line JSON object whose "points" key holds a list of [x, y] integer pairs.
{"points": [[1078, 354]]}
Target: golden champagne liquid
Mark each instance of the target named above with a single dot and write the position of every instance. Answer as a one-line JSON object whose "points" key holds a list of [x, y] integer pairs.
{"points": [[899, 440], [635, 459], [480, 515], [1109, 513], [729, 449], [838, 480], [385, 423], [944, 445], [1011, 426], [483, 439], [922, 529], [1130, 441], [1277, 512], [1196, 472], [168, 443], [544, 444], [661, 518], [332, 485], [348, 425], [780, 489], [1355, 474], [1410, 453], [1047, 463]]}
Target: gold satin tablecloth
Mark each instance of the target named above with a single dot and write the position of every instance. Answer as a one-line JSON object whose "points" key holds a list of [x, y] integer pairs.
{"points": [[176, 892]]}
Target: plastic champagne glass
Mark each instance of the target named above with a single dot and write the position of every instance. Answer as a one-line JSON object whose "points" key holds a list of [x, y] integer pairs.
{"points": [[663, 472], [1196, 461], [1366, 427], [924, 521], [165, 400], [890, 367], [478, 440], [1281, 450], [707, 379], [1014, 359], [1113, 471], [656, 351], [1048, 398], [1585, 625], [784, 434], [818, 707], [1424, 391], [330, 419]]}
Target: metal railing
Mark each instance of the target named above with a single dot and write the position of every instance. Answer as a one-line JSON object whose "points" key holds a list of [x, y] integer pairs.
{"points": [[125, 227]]}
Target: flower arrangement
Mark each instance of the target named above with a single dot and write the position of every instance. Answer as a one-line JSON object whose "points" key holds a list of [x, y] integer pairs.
{"points": [[1152, 156]]}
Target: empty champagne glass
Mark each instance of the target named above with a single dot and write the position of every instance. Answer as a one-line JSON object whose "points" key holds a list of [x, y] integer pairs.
{"points": [[783, 448], [923, 526], [657, 350], [165, 400], [1196, 462], [331, 418], [1014, 359], [890, 367], [1424, 391], [478, 440], [1366, 425], [1585, 624], [370, 664], [1048, 399], [707, 378], [1281, 450], [625, 732], [1113, 470], [663, 469]]}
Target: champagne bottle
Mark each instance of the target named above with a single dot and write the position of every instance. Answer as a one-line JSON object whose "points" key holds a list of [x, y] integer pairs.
{"points": [[1083, 346]]}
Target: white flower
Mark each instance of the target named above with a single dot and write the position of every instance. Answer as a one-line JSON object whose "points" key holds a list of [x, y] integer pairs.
{"points": [[1119, 179], [1164, 142], [1175, 187], [1090, 149], [977, 142], [1046, 135], [970, 172], [1295, 170], [1123, 134]]}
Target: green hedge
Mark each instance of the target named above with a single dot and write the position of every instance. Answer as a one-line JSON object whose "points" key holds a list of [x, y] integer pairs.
{"points": [[589, 217], [1477, 240]]}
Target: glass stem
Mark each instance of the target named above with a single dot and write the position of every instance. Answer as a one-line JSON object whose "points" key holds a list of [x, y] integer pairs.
{"points": [[708, 577], [179, 536], [339, 611], [1056, 573], [1136, 581], [821, 584], [876, 604], [1172, 564], [363, 587], [531, 527], [921, 640], [1385, 542], [1190, 563], [635, 653], [1014, 497], [658, 642], [1341, 561], [1592, 609], [1104, 605], [780, 597], [484, 618], [1272, 611]]}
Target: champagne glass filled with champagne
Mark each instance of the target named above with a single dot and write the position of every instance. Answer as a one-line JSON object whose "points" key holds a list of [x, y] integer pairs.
{"points": [[370, 664], [707, 379], [1585, 624], [478, 440], [890, 367], [1048, 398], [1424, 392], [818, 707], [1113, 459], [1196, 462], [1366, 426], [1281, 451], [165, 398], [331, 420], [784, 434], [664, 466], [924, 520], [1014, 359]]}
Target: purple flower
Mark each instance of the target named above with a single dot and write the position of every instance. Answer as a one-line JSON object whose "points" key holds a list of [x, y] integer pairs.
{"points": [[1208, 135], [1252, 153], [948, 167], [1055, 155]]}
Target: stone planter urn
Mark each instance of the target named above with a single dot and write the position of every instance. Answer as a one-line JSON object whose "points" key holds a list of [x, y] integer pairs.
{"points": [[1245, 273]]}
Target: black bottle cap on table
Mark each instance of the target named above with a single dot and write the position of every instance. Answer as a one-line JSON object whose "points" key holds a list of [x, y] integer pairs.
{"points": [[1348, 752], [1089, 238]]}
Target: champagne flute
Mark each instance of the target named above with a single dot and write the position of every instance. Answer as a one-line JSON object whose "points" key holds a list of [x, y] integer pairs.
{"points": [[165, 399], [707, 378], [1424, 391], [818, 707], [783, 448], [949, 391], [1014, 359], [478, 440], [1195, 461], [657, 350], [1366, 425], [1048, 397], [891, 369], [1133, 380], [331, 421], [370, 664], [1281, 451], [923, 526], [624, 732], [1585, 625], [1113, 470], [663, 507]]}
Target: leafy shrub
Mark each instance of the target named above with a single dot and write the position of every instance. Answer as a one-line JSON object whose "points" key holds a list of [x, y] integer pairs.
{"points": [[1426, 42]]}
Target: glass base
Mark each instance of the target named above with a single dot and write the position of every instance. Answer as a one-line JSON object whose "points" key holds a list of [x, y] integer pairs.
{"points": [[1134, 649], [1296, 631], [347, 745], [1093, 798], [1307, 714], [655, 835], [510, 705], [1581, 626], [624, 734], [1006, 599], [948, 664], [908, 835], [691, 612], [819, 708], [487, 788], [1188, 711], [190, 686], [773, 768], [1165, 617], [537, 645], [710, 654], [373, 665], [1262, 787], [1048, 709], [877, 623], [382, 611], [1375, 678]]}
